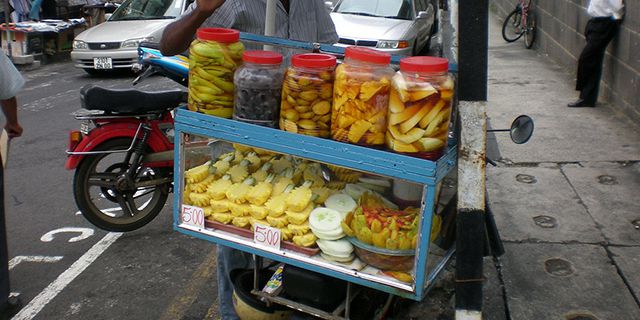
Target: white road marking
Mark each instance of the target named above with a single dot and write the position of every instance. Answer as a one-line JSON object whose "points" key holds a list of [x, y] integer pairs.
{"points": [[84, 234], [50, 292], [19, 259]]}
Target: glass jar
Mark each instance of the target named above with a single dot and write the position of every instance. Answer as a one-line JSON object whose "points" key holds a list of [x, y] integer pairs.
{"points": [[213, 59], [361, 97], [420, 107], [258, 88], [307, 95]]}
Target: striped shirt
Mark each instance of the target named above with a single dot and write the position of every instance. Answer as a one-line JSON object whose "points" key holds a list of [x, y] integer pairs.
{"points": [[307, 20]]}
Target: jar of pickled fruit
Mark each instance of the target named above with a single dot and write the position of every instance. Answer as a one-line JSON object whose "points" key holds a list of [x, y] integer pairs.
{"points": [[420, 107], [258, 87], [361, 97], [213, 58], [307, 95]]}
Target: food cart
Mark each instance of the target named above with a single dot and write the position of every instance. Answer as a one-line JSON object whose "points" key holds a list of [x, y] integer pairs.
{"points": [[436, 181]]}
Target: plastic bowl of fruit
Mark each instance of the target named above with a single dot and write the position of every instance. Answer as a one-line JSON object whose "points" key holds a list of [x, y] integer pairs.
{"points": [[383, 259]]}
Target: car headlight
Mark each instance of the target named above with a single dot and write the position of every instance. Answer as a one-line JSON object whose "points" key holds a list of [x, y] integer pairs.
{"points": [[134, 43], [77, 44], [393, 44]]}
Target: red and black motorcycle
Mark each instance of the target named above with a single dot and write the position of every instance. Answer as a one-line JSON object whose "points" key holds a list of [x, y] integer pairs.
{"points": [[123, 153]]}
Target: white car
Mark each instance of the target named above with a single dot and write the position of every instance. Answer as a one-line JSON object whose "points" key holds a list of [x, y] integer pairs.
{"points": [[401, 27], [114, 43]]}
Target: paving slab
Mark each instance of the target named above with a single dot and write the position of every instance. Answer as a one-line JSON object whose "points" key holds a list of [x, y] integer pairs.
{"points": [[556, 281], [611, 195], [538, 204], [628, 260], [521, 81]]}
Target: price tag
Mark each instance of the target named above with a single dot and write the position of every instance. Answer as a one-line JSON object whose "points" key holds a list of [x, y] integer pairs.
{"points": [[267, 236], [193, 216]]}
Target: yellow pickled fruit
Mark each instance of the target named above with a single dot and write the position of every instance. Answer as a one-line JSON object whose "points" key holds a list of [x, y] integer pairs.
{"points": [[325, 118], [404, 243], [376, 226], [309, 96], [302, 109], [307, 115], [302, 102], [321, 108], [358, 129], [365, 235], [292, 100], [291, 114], [392, 244], [326, 91], [286, 105], [290, 126], [325, 75], [304, 81], [307, 124]]}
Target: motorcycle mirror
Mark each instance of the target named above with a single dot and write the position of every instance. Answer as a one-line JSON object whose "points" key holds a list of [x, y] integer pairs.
{"points": [[521, 129]]}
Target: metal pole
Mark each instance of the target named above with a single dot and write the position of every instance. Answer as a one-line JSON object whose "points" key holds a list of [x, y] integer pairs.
{"points": [[7, 18], [473, 43], [270, 21]]}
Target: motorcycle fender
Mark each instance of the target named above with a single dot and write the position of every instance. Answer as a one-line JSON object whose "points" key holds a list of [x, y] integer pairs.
{"points": [[99, 135]]}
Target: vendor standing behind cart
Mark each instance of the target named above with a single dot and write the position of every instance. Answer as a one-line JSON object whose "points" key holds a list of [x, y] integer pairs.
{"points": [[304, 20]]}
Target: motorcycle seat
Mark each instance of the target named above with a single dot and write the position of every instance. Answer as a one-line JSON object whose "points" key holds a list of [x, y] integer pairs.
{"points": [[129, 101]]}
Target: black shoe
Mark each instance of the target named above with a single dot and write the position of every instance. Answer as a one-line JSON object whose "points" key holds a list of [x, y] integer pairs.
{"points": [[581, 104]]}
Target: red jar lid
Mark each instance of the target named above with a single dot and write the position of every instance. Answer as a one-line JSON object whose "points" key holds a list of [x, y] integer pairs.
{"points": [[313, 60], [424, 64], [367, 55], [219, 34], [262, 57]]}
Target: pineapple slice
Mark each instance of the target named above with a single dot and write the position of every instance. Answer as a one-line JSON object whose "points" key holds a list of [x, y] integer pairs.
{"points": [[277, 205], [197, 174], [300, 197], [254, 160], [260, 193], [286, 234], [239, 210], [217, 189], [258, 212], [240, 171], [321, 194], [241, 222], [220, 205], [278, 222], [306, 240], [313, 173], [224, 218], [221, 166], [281, 164], [370, 89], [238, 191], [263, 173], [199, 199], [301, 217], [299, 230], [284, 180], [202, 186]]}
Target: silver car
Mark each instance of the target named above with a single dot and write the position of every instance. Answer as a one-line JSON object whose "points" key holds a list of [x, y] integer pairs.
{"points": [[400, 27], [114, 43]]}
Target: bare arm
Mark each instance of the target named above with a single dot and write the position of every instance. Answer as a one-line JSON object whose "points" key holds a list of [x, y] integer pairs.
{"points": [[178, 35], [10, 110]]}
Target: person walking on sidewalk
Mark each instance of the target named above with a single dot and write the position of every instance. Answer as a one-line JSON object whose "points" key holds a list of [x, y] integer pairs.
{"points": [[307, 20], [10, 83], [606, 17]]}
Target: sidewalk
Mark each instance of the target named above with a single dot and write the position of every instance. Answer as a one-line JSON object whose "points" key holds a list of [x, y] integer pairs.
{"points": [[567, 203]]}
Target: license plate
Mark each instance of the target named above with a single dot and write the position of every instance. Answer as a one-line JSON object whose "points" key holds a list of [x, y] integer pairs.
{"points": [[102, 63], [85, 127]]}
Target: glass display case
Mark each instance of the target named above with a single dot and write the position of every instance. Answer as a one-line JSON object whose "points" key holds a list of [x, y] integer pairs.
{"points": [[367, 216]]}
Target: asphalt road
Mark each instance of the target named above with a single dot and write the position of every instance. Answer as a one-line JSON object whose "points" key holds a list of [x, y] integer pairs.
{"points": [[62, 266]]}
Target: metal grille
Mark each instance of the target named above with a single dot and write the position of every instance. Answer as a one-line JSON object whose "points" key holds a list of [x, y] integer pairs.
{"points": [[104, 45], [362, 43]]}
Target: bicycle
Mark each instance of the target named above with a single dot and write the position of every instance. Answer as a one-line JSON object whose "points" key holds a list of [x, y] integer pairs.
{"points": [[521, 21]]}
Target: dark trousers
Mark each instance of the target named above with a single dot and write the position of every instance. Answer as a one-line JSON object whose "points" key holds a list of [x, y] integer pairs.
{"points": [[4, 254], [599, 32]]}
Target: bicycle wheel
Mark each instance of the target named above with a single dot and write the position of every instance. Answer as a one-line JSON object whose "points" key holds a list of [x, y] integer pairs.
{"points": [[530, 30], [512, 26]]}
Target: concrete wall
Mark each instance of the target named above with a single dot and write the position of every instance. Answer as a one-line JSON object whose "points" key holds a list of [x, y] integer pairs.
{"points": [[561, 25]]}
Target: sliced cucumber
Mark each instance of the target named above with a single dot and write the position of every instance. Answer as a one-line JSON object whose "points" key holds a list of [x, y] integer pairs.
{"points": [[378, 181], [337, 259], [355, 191], [336, 248], [341, 202], [325, 219], [372, 187], [329, 235]]}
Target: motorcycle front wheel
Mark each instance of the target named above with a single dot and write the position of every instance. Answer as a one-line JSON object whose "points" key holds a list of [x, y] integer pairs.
{"points": [[118, 209]]}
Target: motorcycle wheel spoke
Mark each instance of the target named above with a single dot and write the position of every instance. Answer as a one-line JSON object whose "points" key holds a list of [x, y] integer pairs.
{"points": [[133, 209], [102, 180], [146, 192], [123, 204]]}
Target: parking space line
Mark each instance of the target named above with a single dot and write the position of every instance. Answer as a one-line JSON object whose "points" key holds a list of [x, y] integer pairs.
{"points": [[55, 287], [185, 298]]}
